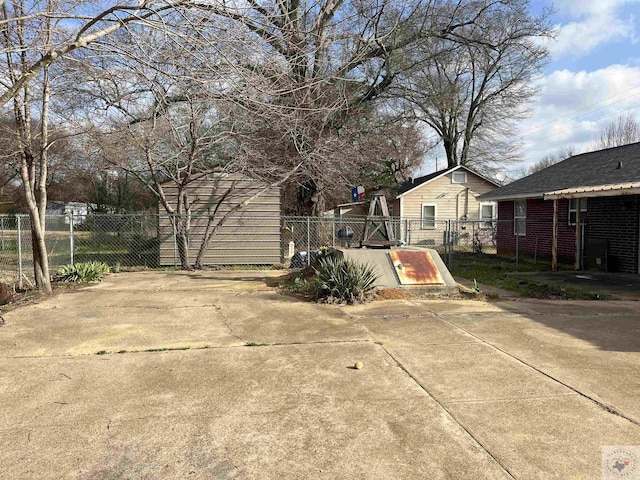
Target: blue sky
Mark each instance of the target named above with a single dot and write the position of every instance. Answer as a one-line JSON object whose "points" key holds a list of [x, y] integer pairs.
{"points": [[592, 77]]}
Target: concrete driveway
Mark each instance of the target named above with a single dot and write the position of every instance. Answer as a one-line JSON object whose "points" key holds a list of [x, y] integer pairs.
{"points": [[216, 375]]}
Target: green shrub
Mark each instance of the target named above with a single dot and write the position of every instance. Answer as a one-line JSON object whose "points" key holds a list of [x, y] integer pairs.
{"points": [[344, 281], [83, 272]]}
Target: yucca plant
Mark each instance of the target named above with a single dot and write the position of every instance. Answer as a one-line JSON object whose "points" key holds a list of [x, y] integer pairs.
{"points": [[83, 272], [343, 280]]}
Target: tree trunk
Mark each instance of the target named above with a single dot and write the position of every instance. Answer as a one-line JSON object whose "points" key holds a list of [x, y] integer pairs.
{"points": [[182, 232], [40, 254], [318, 203], [450, 148]]}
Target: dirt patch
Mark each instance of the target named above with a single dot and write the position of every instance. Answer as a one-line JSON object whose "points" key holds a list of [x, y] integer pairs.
{"points": [[29, 296], [392, 294], [6, 294]]}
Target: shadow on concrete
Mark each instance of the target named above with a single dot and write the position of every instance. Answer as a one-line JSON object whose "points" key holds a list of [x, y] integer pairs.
{"points": [[268, 278], [607, 325], [623, 285]]}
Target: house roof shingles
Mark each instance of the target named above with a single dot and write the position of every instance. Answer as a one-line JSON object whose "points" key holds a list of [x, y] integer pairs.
{"points": [[584, 170], [408, 185], [416, 182]]}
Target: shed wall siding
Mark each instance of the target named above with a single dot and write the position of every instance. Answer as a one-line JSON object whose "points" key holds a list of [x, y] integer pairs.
{"points": [[250, 236]]}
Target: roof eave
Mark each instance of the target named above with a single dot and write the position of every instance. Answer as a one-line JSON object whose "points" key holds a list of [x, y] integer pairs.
{"points": [[487, 197], [596, 191]]}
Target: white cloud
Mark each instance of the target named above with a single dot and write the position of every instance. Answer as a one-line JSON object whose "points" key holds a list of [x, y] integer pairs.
{"points": [[590, 23], [574, 107]]}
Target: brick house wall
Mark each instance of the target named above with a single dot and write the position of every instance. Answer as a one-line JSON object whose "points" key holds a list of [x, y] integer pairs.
{"points": [[539, 230], [615, 219]]}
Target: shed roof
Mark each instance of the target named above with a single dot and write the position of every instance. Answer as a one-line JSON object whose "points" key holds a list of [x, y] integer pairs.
{"points": [[579, 173]]}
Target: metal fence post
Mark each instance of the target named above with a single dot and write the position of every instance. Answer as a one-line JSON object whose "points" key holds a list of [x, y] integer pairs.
{"points": [[308, 241], [451, 243], [517, 245], [473, 237], [71, 240], [19, 251], [333, 232], [582, 245]]}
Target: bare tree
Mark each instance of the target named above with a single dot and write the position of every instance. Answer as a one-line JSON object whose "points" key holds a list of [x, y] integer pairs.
{"points": [[622, 131], [76, 25], [9, 159], [396, 149], [471, 91], [286, 81], [35, 35], [336, 58], [167, 116]]}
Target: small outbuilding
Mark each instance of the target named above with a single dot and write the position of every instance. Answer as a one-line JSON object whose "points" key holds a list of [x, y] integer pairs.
{"points": [[249, 235]]}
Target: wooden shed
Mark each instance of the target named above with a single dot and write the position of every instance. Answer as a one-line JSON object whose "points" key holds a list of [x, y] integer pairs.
{"points": [[250, 236]]}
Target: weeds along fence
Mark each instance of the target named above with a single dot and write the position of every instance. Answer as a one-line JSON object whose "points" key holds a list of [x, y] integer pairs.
{"points": [[147, 240], [129, 240]]}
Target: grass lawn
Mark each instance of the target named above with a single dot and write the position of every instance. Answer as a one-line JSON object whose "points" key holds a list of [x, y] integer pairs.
{"points": [[505, 274]]}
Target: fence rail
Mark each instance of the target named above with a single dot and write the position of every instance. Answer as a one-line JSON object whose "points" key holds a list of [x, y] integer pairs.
{"points": [[146, 240]]}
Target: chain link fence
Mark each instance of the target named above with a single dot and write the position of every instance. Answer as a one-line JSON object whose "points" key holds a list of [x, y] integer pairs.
{"points": [[148, 240]]}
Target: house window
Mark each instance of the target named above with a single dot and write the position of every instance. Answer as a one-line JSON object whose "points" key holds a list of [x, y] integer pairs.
{"points": [[520, 217], [428, 216], [572, 209], [459, 177], [487, 214]]}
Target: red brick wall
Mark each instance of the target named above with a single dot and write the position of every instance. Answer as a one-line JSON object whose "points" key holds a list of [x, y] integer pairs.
{"points": [[539, 230], [616, 219]]}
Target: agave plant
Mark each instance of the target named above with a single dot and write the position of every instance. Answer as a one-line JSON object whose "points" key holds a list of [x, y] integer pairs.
{"points": [[83, 272], [344, 280]]}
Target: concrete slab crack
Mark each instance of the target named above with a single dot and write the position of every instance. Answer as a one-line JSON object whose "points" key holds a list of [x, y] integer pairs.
{"points": [[424, 388], [225, 322], [512, 399], [450, 414], [598, 403]]}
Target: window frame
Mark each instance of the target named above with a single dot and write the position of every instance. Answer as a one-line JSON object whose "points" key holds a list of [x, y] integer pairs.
{"points": [[583, 210], [422, 216], [487, 223], [518, 218], [453, 176]]}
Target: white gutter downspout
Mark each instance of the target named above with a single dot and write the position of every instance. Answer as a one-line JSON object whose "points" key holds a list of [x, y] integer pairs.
{"points": [[466, 206]]}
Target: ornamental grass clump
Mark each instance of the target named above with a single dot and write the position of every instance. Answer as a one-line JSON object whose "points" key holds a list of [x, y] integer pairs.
{"points": [[83, 272], [344, 281]]}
